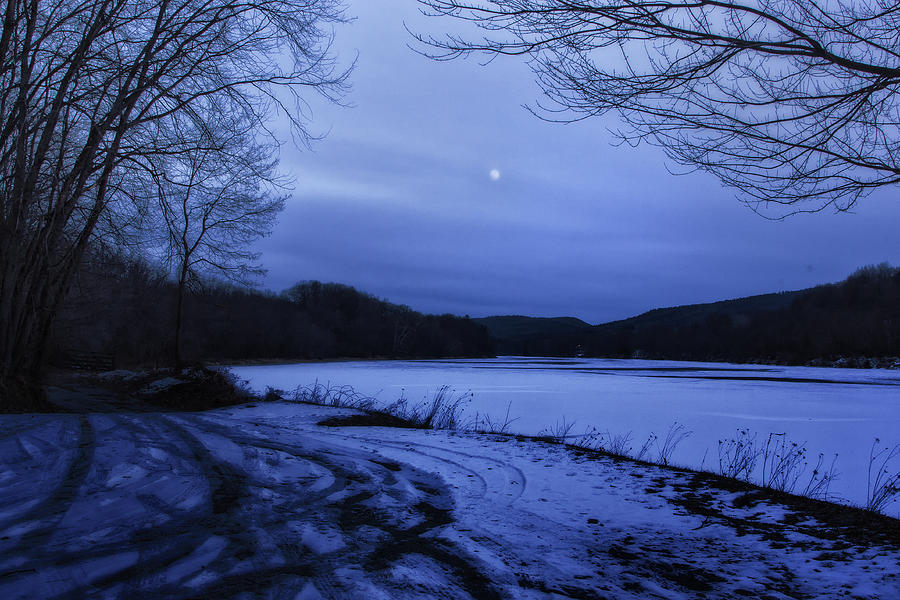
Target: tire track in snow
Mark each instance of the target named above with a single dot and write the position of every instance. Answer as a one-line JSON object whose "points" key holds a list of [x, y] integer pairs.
{"points": [[402, 541], [163, 548], [51, 510], [252, 530], [485, 487], [438, 453]]}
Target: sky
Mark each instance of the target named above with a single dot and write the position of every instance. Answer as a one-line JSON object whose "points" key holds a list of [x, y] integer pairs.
{"points": [[436, 189]]}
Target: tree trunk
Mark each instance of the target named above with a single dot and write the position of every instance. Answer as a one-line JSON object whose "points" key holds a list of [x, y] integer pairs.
{"points": [[23, 318], [34, 278], [179, 312]]}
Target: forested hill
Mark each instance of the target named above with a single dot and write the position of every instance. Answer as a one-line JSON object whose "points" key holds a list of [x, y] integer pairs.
{"points": [[858, 317], [127, 309]]}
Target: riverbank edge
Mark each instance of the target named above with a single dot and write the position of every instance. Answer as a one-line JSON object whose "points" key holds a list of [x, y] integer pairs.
{"points": [[843, 519]]}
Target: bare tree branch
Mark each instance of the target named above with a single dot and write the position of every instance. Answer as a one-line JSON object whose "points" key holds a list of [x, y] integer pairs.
{"points": [[792, 102], [93, 92], [214, 201]]}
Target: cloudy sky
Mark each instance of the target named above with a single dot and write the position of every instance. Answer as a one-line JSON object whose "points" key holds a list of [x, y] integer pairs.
{"points": [[436, 189]]}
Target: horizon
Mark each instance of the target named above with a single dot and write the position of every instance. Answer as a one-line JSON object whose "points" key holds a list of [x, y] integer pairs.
{"points": [[437, 189], [562, 316]]}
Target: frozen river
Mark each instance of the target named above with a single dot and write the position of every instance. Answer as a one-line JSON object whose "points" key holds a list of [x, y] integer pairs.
{"points": [[830, 410]]}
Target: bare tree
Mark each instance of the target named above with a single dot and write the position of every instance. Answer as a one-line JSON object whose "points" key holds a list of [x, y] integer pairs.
{"points": [[792, 102], [214, 202], [90, 91]]}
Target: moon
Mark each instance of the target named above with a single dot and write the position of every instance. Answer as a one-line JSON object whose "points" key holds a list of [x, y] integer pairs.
{"points": [[494, 174]]}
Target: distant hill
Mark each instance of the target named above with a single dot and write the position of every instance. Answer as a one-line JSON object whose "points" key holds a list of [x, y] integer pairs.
{"points": [[695, 313], [859, 317], [516, 334]]}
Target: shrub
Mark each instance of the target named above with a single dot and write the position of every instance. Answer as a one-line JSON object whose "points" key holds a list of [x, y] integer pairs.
{"points": [[487, 424], [784, 462], [557, 433], [676, 434], [820, 479], [443, 411], [882, 487], [341, 396], [197, 389], [738, 455]]}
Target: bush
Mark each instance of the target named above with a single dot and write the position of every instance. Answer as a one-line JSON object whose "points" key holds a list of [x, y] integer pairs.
{"points": [[198, 388], [882, 486]]}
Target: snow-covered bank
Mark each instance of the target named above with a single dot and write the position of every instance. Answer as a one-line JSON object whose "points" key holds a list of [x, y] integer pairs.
{"points": [[832, 411], [260, 500]]}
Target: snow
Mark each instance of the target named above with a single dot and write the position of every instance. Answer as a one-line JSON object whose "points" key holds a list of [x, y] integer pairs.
{"points": [[320, 541], [830, 410], [159, 385], [261, 501]]}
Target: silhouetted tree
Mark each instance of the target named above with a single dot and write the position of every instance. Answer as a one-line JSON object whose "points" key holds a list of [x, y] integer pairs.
{"points": [[785, 100], [89, 91], [214, 202]]}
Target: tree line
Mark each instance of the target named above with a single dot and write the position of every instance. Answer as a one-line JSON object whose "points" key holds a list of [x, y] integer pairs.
{"points": [[829, 324], [127, 308]]}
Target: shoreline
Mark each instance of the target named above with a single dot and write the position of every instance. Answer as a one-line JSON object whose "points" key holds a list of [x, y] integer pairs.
{"points": [[859, 363]]}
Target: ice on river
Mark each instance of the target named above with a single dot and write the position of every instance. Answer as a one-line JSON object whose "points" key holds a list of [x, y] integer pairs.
{"points": [[830, 410]]}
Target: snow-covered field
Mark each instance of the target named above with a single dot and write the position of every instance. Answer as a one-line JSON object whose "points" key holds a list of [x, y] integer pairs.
{"points": [[830, 410], [258, 501]]}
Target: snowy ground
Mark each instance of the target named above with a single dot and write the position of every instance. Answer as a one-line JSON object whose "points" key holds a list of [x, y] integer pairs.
{"points": [[832, 411], [260, 501]]}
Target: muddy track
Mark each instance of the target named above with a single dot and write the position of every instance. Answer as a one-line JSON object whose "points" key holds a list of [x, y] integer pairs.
{"points": [[50, 510], [399, 540], [195, 508]]}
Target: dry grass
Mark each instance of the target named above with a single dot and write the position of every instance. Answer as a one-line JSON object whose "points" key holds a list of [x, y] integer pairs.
{"points": [[883, 481], [444, 410]]}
